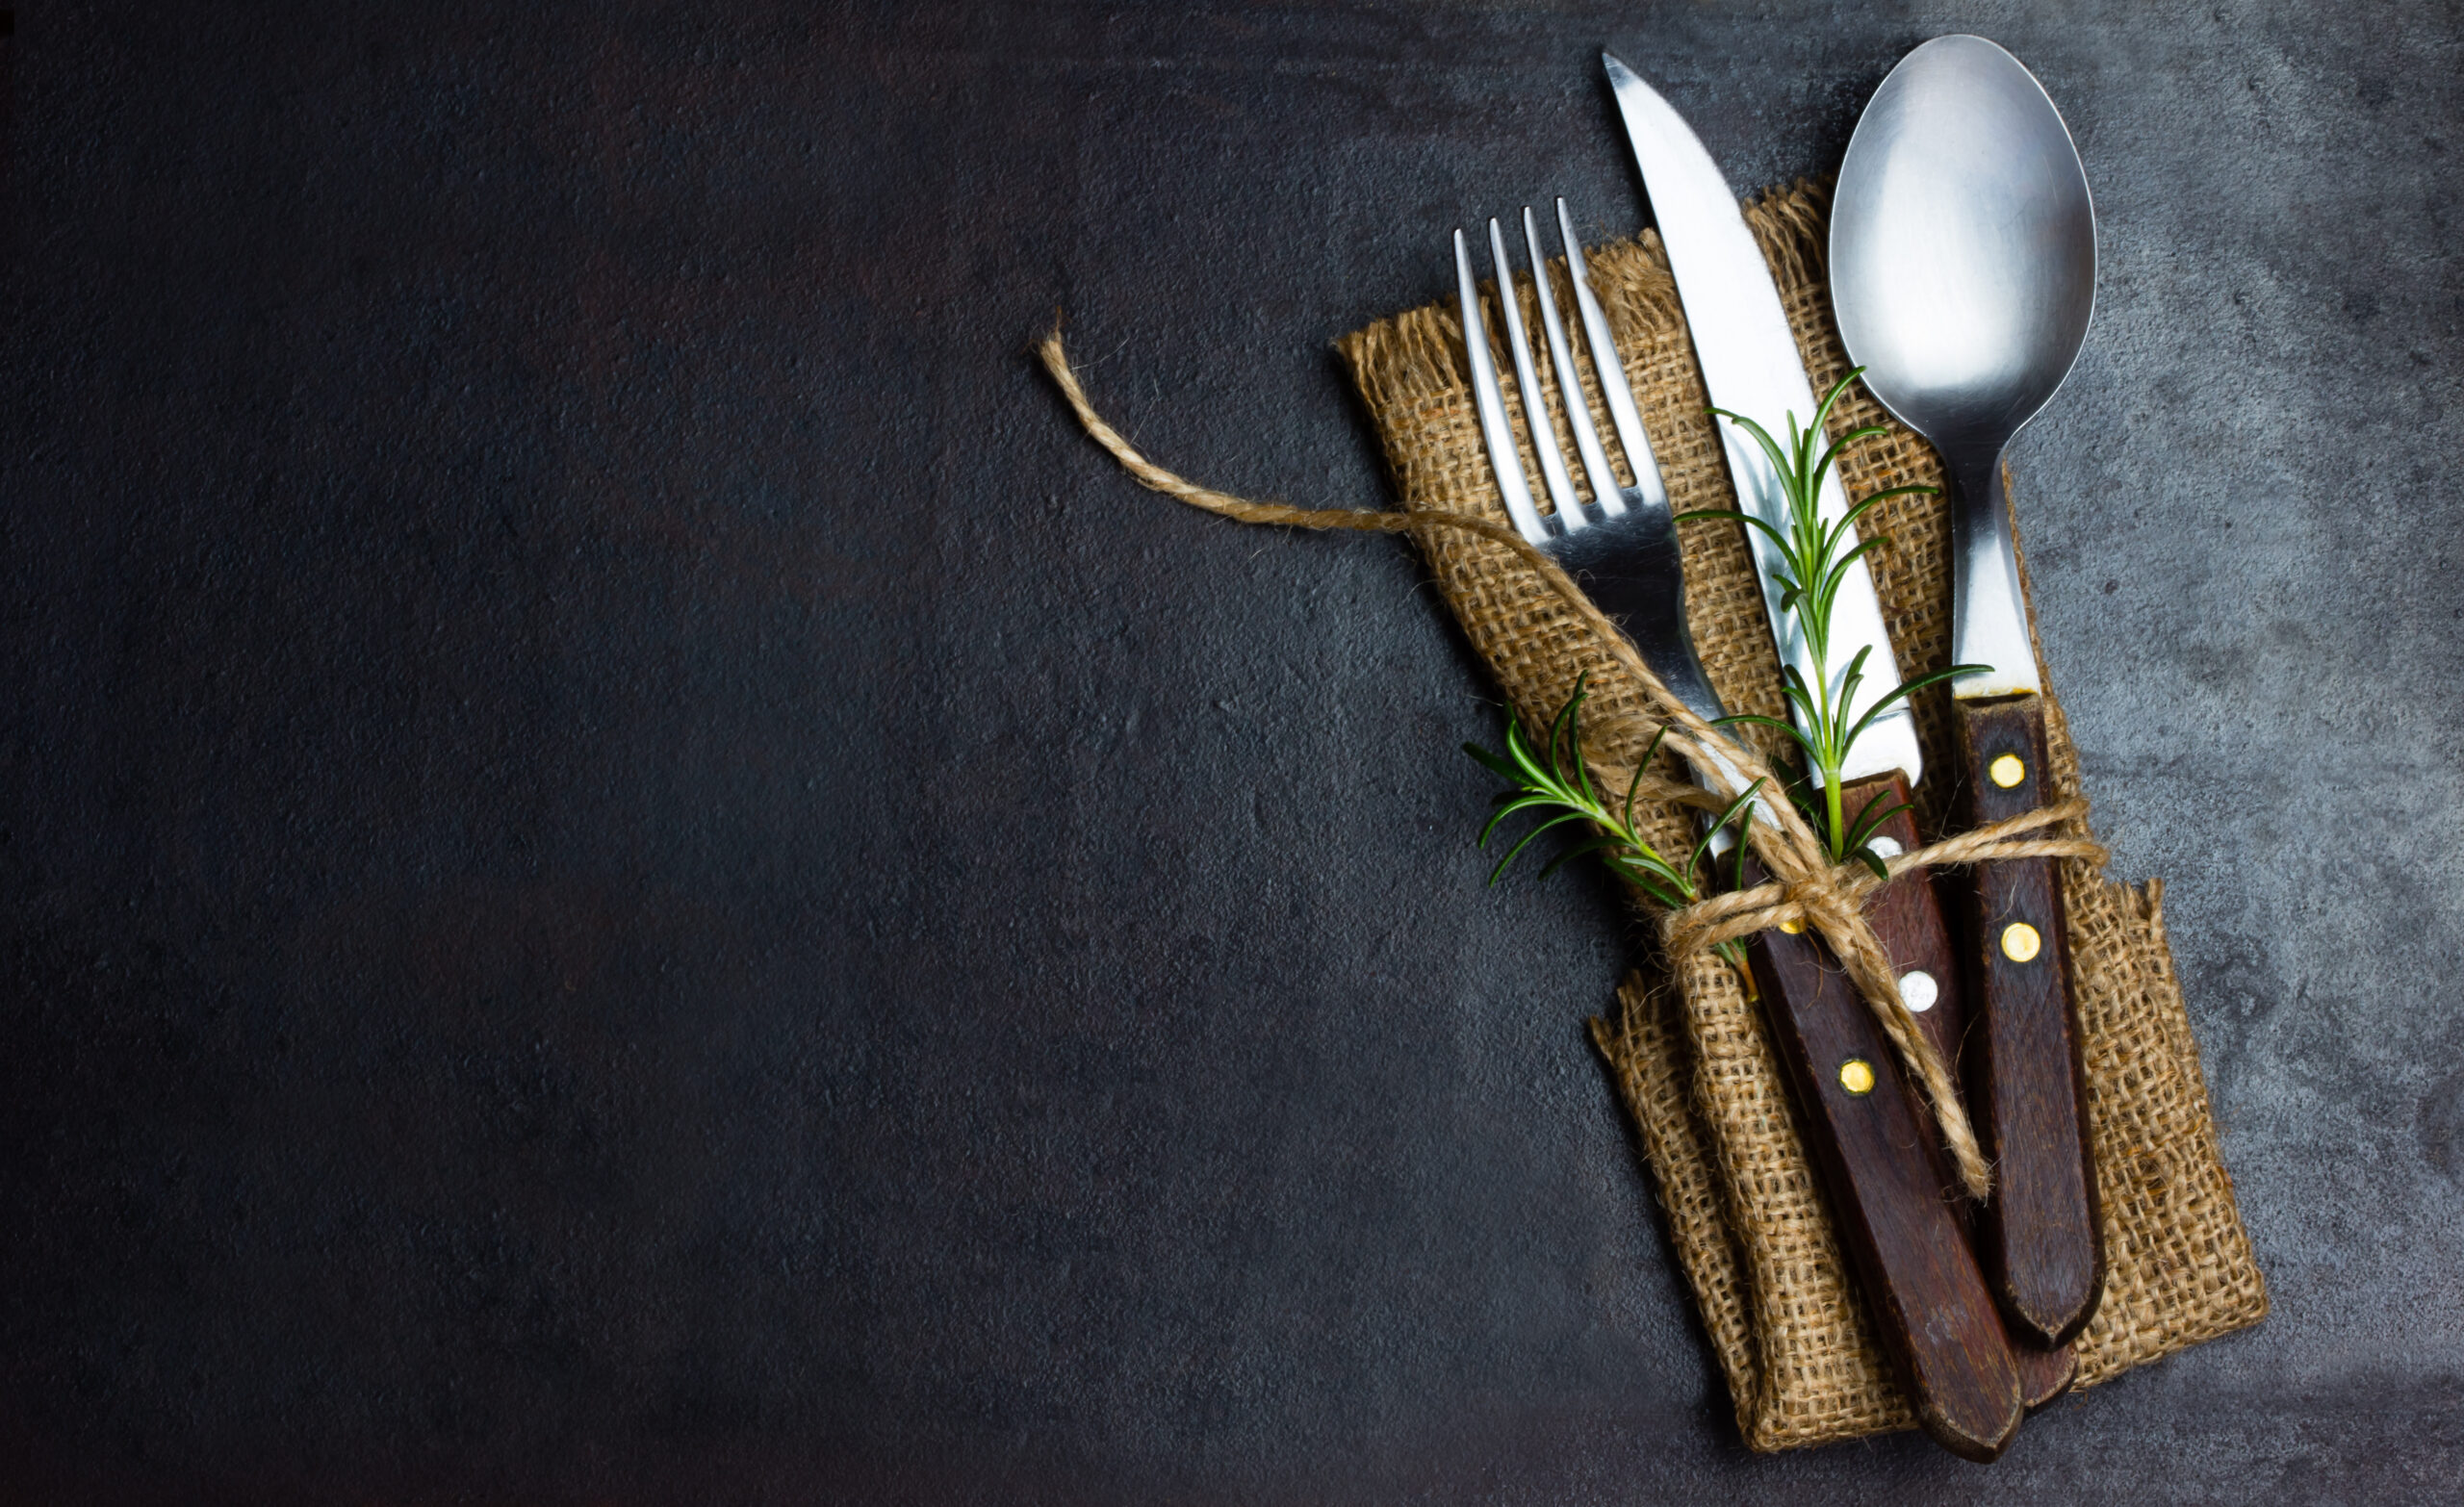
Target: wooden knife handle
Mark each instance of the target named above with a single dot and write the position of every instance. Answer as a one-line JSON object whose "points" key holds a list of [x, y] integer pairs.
{"points": [[2040, 1234], [1908, 918], [2044, 1374], [1904, 1234]]}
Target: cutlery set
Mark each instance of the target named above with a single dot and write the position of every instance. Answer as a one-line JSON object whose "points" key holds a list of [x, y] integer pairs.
{"points": [[1962, 272]]}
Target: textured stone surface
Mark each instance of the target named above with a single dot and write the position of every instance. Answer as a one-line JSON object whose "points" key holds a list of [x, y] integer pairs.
{"points": [[628, 873]]}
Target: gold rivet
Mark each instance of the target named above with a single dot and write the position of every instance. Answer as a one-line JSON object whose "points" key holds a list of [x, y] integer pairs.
{"points": [[1857, 1076], [1793, 925], [2020, 941], [2008, 770]]}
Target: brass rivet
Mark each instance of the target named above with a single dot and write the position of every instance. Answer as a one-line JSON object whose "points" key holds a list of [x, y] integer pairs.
{"points": [[2008, 770], [2020, 941], [1793, 925], [1857, 1076], [1917, 991]]}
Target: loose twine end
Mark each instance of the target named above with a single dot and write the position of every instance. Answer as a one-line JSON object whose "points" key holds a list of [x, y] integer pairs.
{"points": [[1804, 884]]}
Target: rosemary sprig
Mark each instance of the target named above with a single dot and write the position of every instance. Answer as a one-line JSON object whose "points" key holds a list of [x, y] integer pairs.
{"points": [[1811, 569], [1555, 780]]}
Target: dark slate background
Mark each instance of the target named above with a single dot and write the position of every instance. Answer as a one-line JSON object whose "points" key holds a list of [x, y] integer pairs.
{"points": [[630, 874]]}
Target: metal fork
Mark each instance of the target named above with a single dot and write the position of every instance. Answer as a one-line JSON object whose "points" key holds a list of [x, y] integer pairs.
{"points": [[1622, 545]]}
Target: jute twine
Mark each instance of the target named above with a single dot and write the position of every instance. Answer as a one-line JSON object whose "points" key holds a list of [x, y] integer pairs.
{"points": [[1691, 1053], [1805, 886]]}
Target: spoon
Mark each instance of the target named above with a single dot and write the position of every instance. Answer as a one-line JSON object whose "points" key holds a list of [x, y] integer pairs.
{"points": [[1963, 273]]}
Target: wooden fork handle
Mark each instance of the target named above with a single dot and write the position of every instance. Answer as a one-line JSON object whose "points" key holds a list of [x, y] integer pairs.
{"points": [[2040, 1234]]}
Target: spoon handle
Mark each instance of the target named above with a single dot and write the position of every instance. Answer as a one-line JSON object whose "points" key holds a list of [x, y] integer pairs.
{"points": [[2040, 1234], [1900, 1221]]}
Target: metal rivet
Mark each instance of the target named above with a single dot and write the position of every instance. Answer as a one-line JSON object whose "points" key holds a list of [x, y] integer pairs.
{"points": [[2020, 941], [1793, 925], [1857, 1076], [1885, 847], [2007, 771], [1917, 991]]}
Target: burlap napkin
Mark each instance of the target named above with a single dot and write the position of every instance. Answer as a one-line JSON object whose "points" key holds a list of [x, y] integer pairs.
{"points": [[1695, 1064]]}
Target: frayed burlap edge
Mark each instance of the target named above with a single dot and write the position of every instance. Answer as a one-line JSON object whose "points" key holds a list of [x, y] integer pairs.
{"points": [[1691, 1057]]}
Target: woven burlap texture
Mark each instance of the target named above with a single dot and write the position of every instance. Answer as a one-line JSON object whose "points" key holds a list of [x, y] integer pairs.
{"points": [[1691, 1057]]}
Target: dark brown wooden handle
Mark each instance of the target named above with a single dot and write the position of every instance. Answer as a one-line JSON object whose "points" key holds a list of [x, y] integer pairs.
{"points": [[2027, 1090], [1908, 919], [1905, 1235], [2044, 1374]]}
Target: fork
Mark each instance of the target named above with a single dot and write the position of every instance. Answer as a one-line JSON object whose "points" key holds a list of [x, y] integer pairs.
{"points": [[1622, 545], [1907, 1239]]}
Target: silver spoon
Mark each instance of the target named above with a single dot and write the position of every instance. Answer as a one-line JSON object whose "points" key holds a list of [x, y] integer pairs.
{"points": [[1963, 273]]}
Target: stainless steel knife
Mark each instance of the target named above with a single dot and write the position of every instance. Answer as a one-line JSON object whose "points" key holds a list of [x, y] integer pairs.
{"points": [[1927, 1294]]}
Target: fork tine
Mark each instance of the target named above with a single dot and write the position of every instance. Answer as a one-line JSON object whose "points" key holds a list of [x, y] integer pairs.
{"points": [[1611, 369], [1604, 490], [1535, 407], [1490, 401]]}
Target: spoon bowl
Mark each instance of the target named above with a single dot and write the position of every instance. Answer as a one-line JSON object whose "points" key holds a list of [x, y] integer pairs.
{"points": [[1963, 242], [1963, 275]]}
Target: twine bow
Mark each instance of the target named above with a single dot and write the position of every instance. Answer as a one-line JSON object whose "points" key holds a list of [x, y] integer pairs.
{"points": [[1804, 885]]}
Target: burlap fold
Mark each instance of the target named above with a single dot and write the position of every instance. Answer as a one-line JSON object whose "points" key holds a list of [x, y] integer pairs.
{"points": [[1693, 1058]]}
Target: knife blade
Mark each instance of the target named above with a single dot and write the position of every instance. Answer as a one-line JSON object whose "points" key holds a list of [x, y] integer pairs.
{"points": [[1748, 354], [1937, 1320], [1750, 363]]}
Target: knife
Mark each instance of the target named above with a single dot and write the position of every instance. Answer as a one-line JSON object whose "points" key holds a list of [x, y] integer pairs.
{"points": [[1871, 1140]]}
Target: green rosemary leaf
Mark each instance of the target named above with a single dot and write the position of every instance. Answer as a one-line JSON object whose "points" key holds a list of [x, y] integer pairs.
{"points": [[1660, 891], [1518, 750], [1490, 761], [1854, 678], [1512, 852], [1770, 446], [1786, 544], [1822, 410], [1558, 733], [1843, 443], [1743, 803], [1907, 688], [1869, 821], [1848, 520], [1751, 720], [1864, 546], [1577, 850], [1873, 861], [1514, 804], [1636, 783]]}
